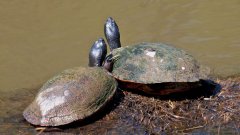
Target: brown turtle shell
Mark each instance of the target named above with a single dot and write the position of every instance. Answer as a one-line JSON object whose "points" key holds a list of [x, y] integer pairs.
{"points": [[71, 95], [156, 68]]}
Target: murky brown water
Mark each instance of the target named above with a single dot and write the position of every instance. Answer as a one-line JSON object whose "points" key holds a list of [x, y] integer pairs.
{"points": [[40, 38]]}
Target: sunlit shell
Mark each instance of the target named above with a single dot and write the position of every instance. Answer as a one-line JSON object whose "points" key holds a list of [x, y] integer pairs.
{"points": [[156, 63], [72, 95]]}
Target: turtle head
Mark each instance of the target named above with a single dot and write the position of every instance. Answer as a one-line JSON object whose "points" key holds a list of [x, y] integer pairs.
{"points": [[112, 34], [109, 60], [97, 53], [108, 63]]}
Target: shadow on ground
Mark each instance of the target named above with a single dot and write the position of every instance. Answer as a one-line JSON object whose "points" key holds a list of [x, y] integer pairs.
{"points": [[212, 108]]}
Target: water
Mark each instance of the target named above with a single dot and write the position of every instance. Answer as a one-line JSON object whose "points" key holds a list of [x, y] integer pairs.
{"points": [[41, 38]]}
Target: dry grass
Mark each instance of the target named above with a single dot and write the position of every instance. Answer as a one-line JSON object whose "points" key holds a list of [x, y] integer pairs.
{"points": [[171, 114], [132, 113]]}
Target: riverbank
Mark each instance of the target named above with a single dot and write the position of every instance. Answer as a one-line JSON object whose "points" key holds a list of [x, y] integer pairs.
{"points": [[213, 109]]}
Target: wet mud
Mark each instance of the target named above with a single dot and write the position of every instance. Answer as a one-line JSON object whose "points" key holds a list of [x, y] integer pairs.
{"points": [[211, 109]]}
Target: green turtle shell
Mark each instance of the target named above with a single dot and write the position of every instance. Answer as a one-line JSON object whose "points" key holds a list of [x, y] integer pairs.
{"points": [[72, 95], [157, 69], [151, 63]]}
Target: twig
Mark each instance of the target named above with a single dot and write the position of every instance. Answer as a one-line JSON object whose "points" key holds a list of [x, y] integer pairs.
{"points": [[191, 128], [173, 115], [40, 129]]}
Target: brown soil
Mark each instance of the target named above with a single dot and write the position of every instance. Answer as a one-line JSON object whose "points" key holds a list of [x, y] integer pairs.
{"points": [[214, 108]]}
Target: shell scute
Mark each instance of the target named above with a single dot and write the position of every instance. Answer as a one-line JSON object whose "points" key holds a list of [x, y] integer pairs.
{"points": [[72, 95], [150, 63]]}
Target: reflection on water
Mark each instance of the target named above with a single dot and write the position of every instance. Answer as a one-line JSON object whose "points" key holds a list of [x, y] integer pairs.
{"points": [[40, 38]]}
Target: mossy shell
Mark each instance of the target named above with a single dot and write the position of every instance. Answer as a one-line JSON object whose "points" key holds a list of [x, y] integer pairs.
{"points": [[155, 63], [72, 95]]}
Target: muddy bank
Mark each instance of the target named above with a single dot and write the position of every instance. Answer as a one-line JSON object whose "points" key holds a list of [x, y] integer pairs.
{"points": [[213, 109]]}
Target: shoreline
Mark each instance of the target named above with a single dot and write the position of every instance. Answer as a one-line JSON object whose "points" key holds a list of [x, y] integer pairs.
{"points": [[135, 113]]}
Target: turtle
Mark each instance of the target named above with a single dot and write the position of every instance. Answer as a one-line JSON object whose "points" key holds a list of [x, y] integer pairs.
{"points": [[74, 94], [153, 68]]}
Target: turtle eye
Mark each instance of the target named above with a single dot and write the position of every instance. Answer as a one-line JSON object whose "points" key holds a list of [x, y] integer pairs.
{"points": [[109, 58]]}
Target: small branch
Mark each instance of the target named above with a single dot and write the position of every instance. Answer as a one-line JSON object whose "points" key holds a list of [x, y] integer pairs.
{"points": [[192, 128]]}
